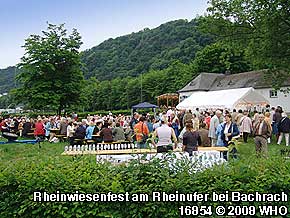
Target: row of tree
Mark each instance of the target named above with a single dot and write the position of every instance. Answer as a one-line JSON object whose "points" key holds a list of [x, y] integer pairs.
{"points": [[122, 93]]}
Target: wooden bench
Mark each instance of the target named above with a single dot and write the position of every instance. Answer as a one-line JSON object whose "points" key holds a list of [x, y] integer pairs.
{"points": [[61, 137], [30, 134], [79, 141]]}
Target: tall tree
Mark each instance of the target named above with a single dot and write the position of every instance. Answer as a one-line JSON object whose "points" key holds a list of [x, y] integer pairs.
{"points": [[261, 26], [51, 74]]}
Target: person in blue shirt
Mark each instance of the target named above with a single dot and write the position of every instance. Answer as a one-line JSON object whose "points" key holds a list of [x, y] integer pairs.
{"points": [[149, 124], [219, 129], [90, 130], [229, 130]]}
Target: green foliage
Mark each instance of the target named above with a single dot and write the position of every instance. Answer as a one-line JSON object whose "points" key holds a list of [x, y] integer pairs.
{"points": [[50, 69], [26, 169], [113, 69], [261, 27], [6, 101], [7, 79], [221, 57], [140, 52], [122, 93]]}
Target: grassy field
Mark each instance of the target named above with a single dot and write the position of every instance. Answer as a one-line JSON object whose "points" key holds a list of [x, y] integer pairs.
{"points": [[26, 168], [19, 152]]}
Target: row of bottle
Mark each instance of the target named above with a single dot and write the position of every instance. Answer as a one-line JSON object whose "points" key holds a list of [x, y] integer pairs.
{"points": [[98, 147]]}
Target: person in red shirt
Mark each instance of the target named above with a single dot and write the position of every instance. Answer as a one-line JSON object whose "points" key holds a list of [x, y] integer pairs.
{"points": [[141, 131], [39, 128], [207, 119], [1, 124]]}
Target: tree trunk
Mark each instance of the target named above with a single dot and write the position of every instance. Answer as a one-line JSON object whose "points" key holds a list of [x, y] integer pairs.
{"points": [[59, 110]]}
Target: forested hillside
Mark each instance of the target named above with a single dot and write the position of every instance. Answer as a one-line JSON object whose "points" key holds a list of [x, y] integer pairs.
{"points": [[136, 53], [148, 49], [140, 66], [7, 79]]}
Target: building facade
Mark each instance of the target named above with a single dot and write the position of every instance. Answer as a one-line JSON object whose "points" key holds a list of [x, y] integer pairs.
{"points": [[255, 79]]}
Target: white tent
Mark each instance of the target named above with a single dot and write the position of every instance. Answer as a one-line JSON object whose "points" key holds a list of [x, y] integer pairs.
{"points": [[231, 98]]}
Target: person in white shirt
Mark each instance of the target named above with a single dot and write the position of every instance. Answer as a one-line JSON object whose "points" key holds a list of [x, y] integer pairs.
{"points": [[70, 132], [214, 122], [164, 134]]}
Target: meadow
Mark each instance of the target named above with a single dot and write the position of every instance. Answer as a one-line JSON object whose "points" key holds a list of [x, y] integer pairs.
{"points": [[27, 168]]}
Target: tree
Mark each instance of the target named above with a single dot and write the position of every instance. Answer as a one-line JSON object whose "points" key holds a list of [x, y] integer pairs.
{"points": [[51, 74], [6, 101], [221, 57], [87, 101], [261, 27]]}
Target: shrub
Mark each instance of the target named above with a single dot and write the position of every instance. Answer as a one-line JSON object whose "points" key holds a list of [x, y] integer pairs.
{"points": [[19, 179]]}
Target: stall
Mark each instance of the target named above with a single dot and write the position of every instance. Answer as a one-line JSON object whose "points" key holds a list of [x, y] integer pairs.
{"points": [[224, 99], [144, 105], [168, 99]]}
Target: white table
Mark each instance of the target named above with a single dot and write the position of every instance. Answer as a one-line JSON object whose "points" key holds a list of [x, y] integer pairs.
{"points": [[199, 160]]}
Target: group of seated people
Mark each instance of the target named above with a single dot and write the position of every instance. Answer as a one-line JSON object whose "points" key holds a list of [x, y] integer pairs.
{"points": [[97, 131]]}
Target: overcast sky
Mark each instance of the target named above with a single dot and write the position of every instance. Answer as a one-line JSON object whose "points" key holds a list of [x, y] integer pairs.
{"points": [[95, 20]]}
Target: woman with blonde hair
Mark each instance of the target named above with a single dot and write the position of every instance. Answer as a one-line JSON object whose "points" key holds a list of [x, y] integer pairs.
{"points": [[90, 130]]}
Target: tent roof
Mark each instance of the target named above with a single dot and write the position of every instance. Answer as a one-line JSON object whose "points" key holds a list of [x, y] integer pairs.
{"points": [[230, 98], [144, 105]]}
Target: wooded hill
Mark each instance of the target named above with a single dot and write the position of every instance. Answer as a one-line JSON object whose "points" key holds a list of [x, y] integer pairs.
{"points": [[148, 49], [7, 79], [136, 53]]}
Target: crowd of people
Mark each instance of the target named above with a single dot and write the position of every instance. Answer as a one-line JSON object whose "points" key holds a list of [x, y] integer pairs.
{"points": [[166, 129]]}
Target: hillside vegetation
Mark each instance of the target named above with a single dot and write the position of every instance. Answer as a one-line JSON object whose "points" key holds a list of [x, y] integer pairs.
{"points": [[148, 49]]}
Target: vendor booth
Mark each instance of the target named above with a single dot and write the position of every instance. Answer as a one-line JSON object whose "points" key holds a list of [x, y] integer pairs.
{"points": [[144, 105], [226, 99]]}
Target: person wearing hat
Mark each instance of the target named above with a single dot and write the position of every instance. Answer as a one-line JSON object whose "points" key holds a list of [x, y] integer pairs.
{"points": [[284, 129]]}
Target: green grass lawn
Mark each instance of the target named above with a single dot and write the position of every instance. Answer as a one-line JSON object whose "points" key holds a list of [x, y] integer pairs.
{"points": [[26, 168], [19, 152]]}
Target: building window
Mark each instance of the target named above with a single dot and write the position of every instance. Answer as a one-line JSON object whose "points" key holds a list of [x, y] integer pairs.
{"points": [[273, 94]]}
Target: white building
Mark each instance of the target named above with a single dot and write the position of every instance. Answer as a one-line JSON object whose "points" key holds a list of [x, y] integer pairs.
{"points": [[255, 79]]}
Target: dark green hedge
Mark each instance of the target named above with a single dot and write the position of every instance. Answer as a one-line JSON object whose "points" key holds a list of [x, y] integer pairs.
{"points": [[18, 181]]}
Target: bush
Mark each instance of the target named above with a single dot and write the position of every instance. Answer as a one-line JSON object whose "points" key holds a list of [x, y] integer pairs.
{"points": [[19, 179]]}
